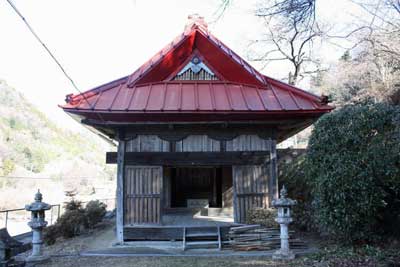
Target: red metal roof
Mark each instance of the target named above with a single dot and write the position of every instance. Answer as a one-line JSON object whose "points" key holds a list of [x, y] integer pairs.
{"points": [[192, 96], [150, 89], [217, 54]]}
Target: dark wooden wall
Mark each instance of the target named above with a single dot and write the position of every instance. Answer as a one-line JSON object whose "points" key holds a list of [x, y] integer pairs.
{"points": [[227, 188], [143, 192], [250, 182], [251, 189], [198, 143], [243, 187], [147, 143]]}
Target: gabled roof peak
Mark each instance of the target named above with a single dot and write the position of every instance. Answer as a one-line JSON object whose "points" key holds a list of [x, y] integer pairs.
{"points": [[220, 58], [195, 21]]}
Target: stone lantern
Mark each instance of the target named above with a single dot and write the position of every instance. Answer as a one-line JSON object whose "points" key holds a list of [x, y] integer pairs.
{"points": [[284, 204], [37, 224]]}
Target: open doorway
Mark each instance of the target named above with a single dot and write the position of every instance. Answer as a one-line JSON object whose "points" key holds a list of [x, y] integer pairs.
{"points": [[198, 195], [196, 187]]}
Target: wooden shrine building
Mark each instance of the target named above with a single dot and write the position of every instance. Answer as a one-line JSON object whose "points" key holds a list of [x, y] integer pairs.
{"points": [[197, 129]]}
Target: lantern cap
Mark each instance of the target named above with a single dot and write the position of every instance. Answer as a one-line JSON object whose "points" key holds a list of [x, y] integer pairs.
{"points": [[283, 201], [38, 205], [38, 196]]}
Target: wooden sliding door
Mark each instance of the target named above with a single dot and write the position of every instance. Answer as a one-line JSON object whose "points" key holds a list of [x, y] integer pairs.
{"points": [[250, 189], [143, 191]]}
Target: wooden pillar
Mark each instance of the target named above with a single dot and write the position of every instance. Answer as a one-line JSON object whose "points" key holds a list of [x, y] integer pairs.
{"points": [[120, 188], [235, 200], [273, 168], [214, 187]]}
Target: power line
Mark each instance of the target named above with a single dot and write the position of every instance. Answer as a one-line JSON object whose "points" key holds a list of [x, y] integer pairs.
{"points": [[51, 55]]}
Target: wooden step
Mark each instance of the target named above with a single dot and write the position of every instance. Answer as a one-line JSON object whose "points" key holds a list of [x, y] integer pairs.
{"points": [[202, 235], [201, 232], [202, 244], [202, 229]]}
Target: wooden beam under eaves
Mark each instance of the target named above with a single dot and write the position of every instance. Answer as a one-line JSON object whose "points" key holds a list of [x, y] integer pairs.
{"points": [[191, 158]]}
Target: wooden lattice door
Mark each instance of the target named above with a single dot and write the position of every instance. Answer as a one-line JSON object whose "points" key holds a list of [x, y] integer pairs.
{"points": [[143, 191]]}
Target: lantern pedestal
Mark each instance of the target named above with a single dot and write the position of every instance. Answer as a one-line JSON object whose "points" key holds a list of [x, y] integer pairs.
{"points": [[37, 243], [37, 224], [284, 204], [283, 255]]}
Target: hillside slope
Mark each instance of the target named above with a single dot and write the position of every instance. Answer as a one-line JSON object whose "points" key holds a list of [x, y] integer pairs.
{"points": [[33, 146]]}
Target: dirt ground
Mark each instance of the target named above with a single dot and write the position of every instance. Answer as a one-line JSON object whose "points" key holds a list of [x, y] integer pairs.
{"points": [[65, 253], [162, 261], [71, 252]]}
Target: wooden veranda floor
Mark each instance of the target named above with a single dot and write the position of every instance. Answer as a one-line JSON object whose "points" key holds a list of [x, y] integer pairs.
{"points": [[174, 223], [192, 218]]}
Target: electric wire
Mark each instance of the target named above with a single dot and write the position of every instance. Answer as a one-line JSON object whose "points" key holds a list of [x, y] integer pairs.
{"points": [[52, 56]]}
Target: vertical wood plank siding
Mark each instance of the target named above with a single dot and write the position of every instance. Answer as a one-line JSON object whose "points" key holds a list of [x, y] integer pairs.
{"points": [[147, 143], [250, 182], [143, 192], [251, 189], [190, 75], [197, 143], [248, 143]]}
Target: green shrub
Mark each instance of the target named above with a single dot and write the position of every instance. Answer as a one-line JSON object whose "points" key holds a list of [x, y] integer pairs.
{"points": [[75, 220], [50, 234], [72, 223], [94, 212], [264, 217], [353, 164], [292, 175], [73, 205]]}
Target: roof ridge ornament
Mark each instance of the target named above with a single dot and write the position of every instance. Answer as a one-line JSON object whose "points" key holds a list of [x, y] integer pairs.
{"points": [[196, 65], [195, 21]]}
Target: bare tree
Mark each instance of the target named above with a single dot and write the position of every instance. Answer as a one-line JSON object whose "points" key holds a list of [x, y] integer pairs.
{"points": [[222, 8], [382, 45], [291, 30], [300, 11]]}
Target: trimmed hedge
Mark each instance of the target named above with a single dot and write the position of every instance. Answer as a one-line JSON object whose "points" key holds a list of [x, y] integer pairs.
{"points": [[353, 167]]}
